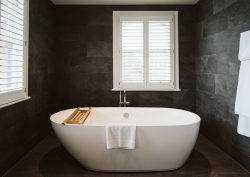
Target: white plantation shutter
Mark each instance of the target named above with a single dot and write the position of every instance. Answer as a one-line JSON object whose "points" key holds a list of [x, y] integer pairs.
{"points": [[13, 50], [159, 50], [145, 51], [132, 52]]}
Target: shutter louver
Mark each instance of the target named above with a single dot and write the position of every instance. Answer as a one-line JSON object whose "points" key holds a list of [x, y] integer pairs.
{"points": [[159, 45], [11, 45], [132, 52]]}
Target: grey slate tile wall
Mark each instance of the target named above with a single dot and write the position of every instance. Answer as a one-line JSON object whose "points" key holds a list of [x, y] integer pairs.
{"points": [[24, 124], [220, 23], [84, 45]]}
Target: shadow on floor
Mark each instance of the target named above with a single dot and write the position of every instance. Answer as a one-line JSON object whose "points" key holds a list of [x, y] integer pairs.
{"points": [[58, 162]]}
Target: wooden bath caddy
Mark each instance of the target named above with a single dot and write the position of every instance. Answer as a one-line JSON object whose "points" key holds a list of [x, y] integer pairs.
{"points": [[78, 116]]}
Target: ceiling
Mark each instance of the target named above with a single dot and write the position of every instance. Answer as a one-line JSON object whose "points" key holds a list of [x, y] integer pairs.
{"points": [[123, 2]]}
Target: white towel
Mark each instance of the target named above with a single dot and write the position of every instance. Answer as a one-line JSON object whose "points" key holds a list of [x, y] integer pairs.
{"points": [[242, 104], [244, 125], [120, 136], [244, 52]]}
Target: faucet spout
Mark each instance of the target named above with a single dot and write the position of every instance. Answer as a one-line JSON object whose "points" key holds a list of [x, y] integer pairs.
{"points": [[124, 102], [125, 99]]}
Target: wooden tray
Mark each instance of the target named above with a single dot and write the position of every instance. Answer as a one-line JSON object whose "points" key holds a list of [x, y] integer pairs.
{"points": [[78, 116]]}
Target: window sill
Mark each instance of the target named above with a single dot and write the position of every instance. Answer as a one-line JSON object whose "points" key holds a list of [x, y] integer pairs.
{"points": [[14, 102], [148, 90]]}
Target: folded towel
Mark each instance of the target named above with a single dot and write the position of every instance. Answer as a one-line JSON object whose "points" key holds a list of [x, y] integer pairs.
{"points": [[244, 53], [120, 136], [244, 125], [242, 106]]}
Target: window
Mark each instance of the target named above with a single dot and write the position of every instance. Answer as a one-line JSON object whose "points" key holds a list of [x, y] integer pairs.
{"points": [[13, 51], [145, 50]]}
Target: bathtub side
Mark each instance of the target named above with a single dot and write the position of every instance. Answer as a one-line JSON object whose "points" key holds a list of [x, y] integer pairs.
{"points": [[157, 147]]}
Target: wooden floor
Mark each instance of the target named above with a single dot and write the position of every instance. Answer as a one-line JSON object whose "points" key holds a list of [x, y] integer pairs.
{"points": [[49, 159]]}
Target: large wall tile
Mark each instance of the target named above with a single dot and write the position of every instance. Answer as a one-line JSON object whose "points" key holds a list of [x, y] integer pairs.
{"points": [[221, 4], [206, 83], [99, 49]]}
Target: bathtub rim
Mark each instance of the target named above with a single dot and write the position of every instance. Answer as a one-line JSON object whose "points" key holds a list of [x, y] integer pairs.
{"points": [[196, 118]]}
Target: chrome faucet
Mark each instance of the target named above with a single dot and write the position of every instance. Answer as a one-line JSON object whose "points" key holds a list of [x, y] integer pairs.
{"points": [[120, 99], [125, 99], [124, 102]]}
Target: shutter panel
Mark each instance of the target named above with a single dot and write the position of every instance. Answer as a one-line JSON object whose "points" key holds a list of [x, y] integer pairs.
{"points": [[11, 45], [159, 54], [132, 52]]}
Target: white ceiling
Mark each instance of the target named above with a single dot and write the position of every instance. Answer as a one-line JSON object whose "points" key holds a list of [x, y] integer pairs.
{"points": [[123, 2]]}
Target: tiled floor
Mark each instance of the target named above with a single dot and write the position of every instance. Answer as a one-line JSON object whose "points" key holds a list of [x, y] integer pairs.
{"points": [[49, 159]]}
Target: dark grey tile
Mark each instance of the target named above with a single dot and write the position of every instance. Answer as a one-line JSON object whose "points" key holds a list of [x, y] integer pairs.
{"points": [[218, 23], [99, 49], [222, 4], [71, 33], [100, 16], [204, 9], [99, 33], [226, 85], [207, 64], [199, 31], [206, 82], [238, 14]]}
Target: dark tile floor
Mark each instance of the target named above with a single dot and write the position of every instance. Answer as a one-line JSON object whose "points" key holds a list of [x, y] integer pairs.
{"points": [[49, 159]]}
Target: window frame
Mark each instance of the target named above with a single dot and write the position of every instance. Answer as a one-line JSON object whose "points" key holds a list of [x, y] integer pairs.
{"points": [[14, 97], [118, 16]]}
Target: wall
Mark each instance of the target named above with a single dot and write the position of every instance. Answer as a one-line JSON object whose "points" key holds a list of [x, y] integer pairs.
{"points": [[24, 124], [84, 45], [218, 32], [81, 72]]}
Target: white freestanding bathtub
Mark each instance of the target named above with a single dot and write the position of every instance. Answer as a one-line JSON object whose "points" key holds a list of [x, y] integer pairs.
{"points": [[164, 138]]}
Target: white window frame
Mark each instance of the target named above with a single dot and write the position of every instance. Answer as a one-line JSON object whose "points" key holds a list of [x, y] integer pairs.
{"points": [[117, 18], [13, 97]]}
